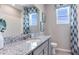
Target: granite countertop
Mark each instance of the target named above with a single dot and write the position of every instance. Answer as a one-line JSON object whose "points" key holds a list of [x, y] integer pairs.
{"points": [[23, 47]]}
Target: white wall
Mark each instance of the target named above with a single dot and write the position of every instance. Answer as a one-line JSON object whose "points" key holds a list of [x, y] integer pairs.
{"points": [[60, 33]]}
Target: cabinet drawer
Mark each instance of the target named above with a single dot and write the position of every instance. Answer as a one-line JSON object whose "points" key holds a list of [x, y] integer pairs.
{"points": [[41, 48]]}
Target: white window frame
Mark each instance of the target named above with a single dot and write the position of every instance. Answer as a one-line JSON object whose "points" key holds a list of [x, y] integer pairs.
{"points": [[67, 20]]}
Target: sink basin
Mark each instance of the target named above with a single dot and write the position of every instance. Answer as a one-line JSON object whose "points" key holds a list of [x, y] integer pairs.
{"points": [[33, 40], [33, 43]]}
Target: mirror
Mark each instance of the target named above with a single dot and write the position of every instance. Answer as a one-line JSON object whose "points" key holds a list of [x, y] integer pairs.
{"points": [[34, 20]]}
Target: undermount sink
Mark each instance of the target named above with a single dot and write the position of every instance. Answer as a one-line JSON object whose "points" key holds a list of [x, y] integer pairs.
{"points": [[30, 40], [39, 37], [33, 41]]}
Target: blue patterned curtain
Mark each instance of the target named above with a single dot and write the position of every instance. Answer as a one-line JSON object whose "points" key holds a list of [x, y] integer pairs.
{"points": [[73, 27], [74, 30], [27, 11]]}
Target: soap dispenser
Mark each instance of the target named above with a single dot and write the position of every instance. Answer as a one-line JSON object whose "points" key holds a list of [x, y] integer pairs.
{"points": [[1, 41]]}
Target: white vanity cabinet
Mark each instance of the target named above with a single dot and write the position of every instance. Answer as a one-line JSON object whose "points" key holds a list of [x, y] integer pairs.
{"points": [[43, 49]]}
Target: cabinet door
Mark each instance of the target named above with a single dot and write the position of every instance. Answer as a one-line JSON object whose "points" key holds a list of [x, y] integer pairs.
{"points": [[42, 52], [42, 49], [46, 50], [38, 51]]}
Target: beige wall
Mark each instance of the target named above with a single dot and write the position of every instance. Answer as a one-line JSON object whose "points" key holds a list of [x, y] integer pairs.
{"points": [[60, 33], [40, 7], [13, 20]]}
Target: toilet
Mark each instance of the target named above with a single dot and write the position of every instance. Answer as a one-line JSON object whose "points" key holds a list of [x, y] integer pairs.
{"points": [[53, 48]]}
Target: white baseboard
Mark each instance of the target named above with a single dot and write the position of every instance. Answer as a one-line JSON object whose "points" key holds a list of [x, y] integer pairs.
{"points": [[63, 50]]}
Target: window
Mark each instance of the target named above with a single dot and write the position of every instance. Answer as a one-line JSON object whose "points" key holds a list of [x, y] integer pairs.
{"points": [[33, 19], [63, 15]]}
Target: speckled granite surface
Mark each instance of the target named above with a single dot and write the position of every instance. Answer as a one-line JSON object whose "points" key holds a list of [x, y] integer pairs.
{"points": [[19, 37], [23, 47]]}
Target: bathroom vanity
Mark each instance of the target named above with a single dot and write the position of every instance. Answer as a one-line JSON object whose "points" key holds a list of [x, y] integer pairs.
{"points": [[30, 46]]}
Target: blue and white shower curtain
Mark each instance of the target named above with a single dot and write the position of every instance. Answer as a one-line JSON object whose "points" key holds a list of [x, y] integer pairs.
{"points": [[73, 27], [74, 30]]}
